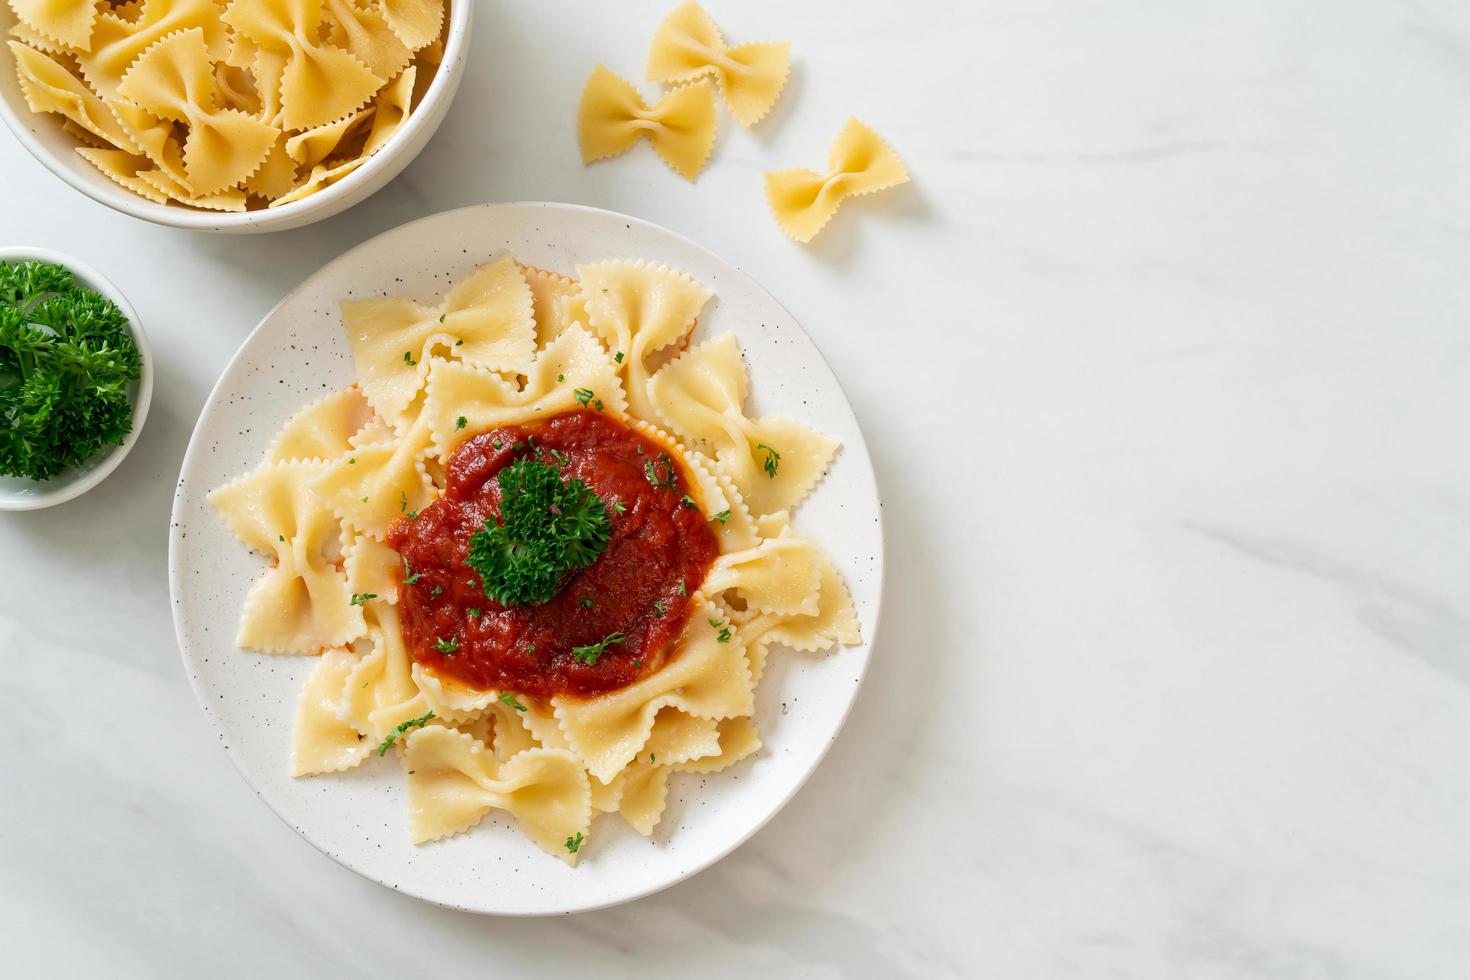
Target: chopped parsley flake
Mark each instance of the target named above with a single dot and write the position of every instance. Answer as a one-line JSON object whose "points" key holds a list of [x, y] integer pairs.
{"points": [[446, 646], [688, 501], [474, 612], [583, 396], [773, 459], [722, 516], [409, 579], [358, 598], [619, 506], [460, 422], [508, 698], [682, 590], [669, 480], [575, 843], [589, 654], [418, 722], [408, 358], [586, 603], [661, 607], [618, 357], [438, 590]]}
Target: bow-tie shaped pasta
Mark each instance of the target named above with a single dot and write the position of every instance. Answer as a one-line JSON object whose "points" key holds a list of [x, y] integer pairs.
{"points": [[416, 22], [69, 22], [572, 362], [301, 603], [174, 80], [639, 309], [320, 741], [319, 83], [49, 87], [453, 781], [486, 320], [688, 45], [707, 677], [613, 116], [118, 40], [700, 395], [803, 201], [364, 31]]}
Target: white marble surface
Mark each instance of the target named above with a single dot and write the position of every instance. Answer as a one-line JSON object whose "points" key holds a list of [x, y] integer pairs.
{"points": [[1163, 362]]}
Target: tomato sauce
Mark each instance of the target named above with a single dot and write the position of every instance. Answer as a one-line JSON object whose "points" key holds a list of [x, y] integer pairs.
{"points": [[658, 554]]}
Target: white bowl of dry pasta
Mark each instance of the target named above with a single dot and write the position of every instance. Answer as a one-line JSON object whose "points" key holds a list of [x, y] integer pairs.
{"points": [[241, 116]]}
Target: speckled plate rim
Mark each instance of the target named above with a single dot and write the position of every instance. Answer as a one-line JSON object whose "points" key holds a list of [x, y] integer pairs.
{"points": [[858, 463]]}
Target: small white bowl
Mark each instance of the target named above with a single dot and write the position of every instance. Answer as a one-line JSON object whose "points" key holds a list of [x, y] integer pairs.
{"points": [[18, 493], [42, 135]]}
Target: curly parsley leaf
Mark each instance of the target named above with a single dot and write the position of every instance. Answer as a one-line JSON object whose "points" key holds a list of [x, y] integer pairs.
{"points": [[548, 528], [66, 363], [508, 698], [773, 459]]}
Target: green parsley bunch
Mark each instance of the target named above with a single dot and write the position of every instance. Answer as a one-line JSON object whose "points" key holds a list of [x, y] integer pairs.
{"points": [[548, 528], [66, 361]]}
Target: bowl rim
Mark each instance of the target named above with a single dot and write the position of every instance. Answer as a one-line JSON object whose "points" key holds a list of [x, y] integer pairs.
{"points": [[93, 279], [196, 219]]}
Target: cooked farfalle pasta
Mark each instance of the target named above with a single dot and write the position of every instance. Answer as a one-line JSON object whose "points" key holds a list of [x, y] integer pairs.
{"points": [[511, 345], [227, 106], [688, 46], [700, 396], [803, 201], [613, 117]]}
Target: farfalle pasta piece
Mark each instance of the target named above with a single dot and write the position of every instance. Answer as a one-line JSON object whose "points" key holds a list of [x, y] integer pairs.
{"points": [[612, 117], [569, 371], [453, 781], [49, 87], [485, 321], [688, 45], [556, 300], [364, 32], [300, 604], [709, 678], [157, 138], [276, 176], [700, 396], [448, 698], [67, 22], [639, 309], [319, 82], [644, 793], [803, 201], [779, 575], [118, 40], [123, 168], [379, 482], [416, 22], [310, 147], [320, 741], [323, 429], [373, 570], [173, 80], [229, 199], [739, 739], [380, 693]]}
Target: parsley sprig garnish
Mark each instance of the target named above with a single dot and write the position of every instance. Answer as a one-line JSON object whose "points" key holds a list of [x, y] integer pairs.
{"points": [[418, 722], [548, 528], [588, 655], [574, 843], [66, 363], [660, 473]]}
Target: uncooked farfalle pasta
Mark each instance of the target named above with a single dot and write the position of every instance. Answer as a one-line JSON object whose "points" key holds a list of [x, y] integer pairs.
{"points": [[859, 162], [227, 106], [540, 549]]}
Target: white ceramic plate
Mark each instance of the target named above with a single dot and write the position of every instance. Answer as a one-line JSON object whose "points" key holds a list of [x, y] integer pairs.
{"points": [[297, 353]]}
